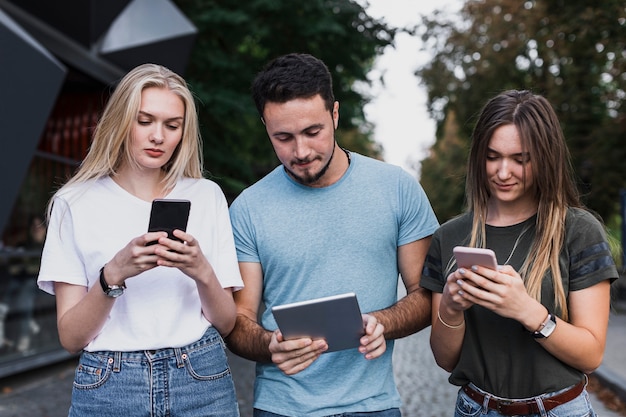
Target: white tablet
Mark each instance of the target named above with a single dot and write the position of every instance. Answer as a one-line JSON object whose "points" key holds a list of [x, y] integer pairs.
{"points": [[337, 319]]}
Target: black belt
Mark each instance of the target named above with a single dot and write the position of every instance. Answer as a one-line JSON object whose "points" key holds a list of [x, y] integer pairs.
{"points": [[523, 407]]}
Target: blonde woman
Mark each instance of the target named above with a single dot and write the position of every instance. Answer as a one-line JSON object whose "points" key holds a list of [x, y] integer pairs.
{"points": [[519, 340], [148, 319]]}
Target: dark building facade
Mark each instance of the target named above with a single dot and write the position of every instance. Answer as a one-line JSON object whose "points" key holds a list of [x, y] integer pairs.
{"points": [[58, 60]]}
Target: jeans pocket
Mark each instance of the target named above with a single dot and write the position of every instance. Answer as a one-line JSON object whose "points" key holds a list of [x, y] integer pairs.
{"points": [[92, 371], [207, 362], [465, 406]]}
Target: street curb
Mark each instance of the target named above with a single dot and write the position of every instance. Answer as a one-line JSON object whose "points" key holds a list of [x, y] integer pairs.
{"points": [[612, 381]]}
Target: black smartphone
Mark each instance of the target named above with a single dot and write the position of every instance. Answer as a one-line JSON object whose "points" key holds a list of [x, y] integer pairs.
{"points": [[167, 215]]}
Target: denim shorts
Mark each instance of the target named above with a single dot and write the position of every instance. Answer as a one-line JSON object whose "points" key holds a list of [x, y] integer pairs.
{"points": [[392, 412], [578, 407], [191, 381]]}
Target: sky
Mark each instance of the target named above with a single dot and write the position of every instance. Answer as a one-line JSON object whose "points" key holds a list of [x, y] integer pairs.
{"points": [[398, 109]]}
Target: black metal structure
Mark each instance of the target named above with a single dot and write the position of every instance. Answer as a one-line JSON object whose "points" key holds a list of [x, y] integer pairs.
{"points": [[56, 60]]}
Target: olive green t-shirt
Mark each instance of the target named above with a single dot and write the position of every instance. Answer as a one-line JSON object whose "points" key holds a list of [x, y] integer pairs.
{"points": [[498, 354]]}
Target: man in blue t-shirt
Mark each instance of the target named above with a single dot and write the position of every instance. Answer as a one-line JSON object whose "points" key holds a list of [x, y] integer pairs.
{"points": [[325, 222]]}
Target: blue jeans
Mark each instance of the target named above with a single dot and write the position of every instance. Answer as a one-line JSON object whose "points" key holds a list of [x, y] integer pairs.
{"points": [[392, 412], [191, 381], [578, 407]]}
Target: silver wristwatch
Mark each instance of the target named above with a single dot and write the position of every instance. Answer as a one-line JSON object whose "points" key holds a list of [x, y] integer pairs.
{"points": [[546, 328], [112, 291]]}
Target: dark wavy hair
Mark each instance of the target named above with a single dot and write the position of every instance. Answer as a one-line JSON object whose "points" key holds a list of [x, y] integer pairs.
{"points": [[293, 76]]}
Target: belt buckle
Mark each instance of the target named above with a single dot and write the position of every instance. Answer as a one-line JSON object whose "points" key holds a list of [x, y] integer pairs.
{"points": [[502, 403]]}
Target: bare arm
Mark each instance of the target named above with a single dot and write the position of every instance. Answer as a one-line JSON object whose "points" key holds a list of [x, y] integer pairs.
{"points": [[411, 313], [82, 313], [248, 338], [448, 323], [446, 339], [579, 343], [251, 341], [217, 303]]}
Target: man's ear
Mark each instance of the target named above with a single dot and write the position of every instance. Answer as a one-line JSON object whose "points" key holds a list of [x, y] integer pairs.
{"points": [[263, 121], [335, 114]]}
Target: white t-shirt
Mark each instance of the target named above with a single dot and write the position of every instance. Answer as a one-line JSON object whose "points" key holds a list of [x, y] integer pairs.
{"points": [[160, 308]]}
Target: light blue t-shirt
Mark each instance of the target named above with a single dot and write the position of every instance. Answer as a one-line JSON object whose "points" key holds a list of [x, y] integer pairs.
{"points": [[317, 242]]}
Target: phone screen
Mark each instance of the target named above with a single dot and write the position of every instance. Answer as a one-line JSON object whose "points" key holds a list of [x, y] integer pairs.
{"points": [[167, 215]]}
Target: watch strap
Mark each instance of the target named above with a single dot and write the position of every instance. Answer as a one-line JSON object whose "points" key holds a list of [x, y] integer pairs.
{"points": [[110, 290]]}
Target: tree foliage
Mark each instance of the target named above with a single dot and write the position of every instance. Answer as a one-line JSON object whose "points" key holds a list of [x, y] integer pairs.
{"points": [[237, 38], [445, 180], [573, 52]]}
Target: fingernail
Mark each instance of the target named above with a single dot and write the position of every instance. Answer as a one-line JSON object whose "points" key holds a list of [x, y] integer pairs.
{"points": [[460, 282], [462, 271], [474, 268]]}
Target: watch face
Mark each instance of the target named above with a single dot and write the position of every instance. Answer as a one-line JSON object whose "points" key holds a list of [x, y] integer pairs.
{"points": [[548, 329], [115, 292]]}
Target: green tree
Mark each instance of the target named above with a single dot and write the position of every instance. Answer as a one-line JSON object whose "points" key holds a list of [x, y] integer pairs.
{"points": [[572, 52], [237, 38], [445, 166]]}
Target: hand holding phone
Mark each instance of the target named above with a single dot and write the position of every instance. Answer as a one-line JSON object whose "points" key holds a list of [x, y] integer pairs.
{"points": [[466, 257], [167, 215]]}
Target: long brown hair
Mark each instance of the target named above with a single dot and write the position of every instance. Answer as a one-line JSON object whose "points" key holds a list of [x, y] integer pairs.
{"points": [[554, 188]]}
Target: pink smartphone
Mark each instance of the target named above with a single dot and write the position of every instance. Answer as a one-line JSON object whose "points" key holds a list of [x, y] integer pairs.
{"points": [[466, 257]]}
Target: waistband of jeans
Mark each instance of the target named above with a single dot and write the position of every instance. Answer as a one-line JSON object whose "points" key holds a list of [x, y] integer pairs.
{"points": [[210, 337], [524, 406]]}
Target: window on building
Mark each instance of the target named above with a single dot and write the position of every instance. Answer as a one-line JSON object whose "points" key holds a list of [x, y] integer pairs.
{"points": [[27, 314]]}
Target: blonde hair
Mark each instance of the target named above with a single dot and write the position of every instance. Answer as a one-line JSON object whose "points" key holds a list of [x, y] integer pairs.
{"points": [[110, 147], [553, 187]]}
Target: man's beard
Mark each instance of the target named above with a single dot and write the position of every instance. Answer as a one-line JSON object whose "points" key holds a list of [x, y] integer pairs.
{"points": [[311, 179]]}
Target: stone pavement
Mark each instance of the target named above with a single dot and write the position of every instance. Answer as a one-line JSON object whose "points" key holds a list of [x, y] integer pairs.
{"points": [[612, 373], [423, 386]]}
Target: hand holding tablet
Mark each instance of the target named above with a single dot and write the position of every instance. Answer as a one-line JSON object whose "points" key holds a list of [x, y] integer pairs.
{"points": [[337, 319]]}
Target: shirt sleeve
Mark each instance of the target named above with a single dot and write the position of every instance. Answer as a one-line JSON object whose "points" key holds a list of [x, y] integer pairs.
{"points": [[590, 259], [60, 259], [432, 274], [226, 266], [243, 231], [418, 219]]}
